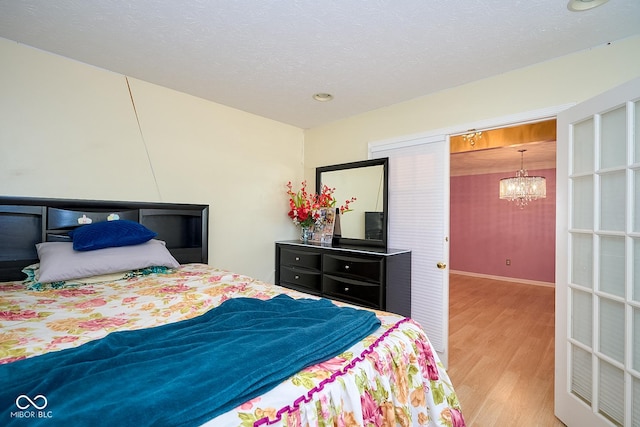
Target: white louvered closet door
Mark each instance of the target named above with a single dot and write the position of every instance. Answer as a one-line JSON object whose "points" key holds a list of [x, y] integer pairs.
{"points": [[419, 221], [598, 265]]}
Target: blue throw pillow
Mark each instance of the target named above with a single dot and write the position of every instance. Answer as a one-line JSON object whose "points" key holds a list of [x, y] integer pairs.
{"points": [[110, 234]]}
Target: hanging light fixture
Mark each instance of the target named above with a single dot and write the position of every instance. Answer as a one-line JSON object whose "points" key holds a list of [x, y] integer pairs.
{"points": [[523, 188], [472, 137]]}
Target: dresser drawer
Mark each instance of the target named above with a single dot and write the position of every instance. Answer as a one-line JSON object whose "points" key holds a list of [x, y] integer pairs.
{"points": [[362, 293], [360, 276], [362, 268], [300, 258], [303, 280]]}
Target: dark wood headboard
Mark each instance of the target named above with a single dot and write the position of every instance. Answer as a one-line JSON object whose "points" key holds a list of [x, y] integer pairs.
{"points": [[27, 221]]}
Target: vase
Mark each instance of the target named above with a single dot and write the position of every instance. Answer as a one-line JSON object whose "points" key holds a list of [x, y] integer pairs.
{"points": [[306, 233]]}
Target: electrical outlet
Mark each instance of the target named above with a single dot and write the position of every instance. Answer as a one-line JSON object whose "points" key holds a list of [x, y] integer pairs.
{"points": [[508, 261]]}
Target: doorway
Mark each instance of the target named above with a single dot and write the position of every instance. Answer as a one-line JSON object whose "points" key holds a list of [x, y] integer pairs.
{"points": [[498, 252], [442, 136], [497, 238]]}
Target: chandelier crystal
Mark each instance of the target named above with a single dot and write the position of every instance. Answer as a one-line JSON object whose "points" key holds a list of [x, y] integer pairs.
{"points": [[523, 188]]}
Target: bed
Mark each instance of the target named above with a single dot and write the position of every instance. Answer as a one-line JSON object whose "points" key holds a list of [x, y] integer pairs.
{"points": [[175, 341]]}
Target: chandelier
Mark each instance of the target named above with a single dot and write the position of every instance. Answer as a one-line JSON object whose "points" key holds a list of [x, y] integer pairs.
{"points": [[523, 188], [472, 137]]}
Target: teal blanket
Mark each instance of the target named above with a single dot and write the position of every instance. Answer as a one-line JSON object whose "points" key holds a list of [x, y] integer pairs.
{"points": [[184, 373]]}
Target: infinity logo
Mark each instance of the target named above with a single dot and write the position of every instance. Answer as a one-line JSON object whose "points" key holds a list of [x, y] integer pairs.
{"points": [[30, 402]]}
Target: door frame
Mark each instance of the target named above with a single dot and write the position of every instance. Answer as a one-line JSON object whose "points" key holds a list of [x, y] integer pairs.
{"points": [[486, 124]]}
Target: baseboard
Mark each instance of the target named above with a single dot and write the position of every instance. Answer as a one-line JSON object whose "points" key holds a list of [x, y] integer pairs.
{"points": [[504, 279]]}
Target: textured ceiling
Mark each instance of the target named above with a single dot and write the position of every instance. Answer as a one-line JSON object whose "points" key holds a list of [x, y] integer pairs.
{"points": [[269, 57]]}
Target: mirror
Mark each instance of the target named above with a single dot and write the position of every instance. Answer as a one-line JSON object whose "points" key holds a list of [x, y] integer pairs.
{"points": [[367, 181]]}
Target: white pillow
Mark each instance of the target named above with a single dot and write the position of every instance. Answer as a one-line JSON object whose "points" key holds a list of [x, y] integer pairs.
{"points": [[33, 276], [58, 260]]}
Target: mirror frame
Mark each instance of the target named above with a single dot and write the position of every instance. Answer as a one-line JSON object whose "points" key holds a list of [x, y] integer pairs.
{"points": [[384, 162]]}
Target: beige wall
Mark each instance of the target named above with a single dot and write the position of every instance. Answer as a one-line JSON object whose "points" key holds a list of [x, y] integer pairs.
{"points": [[68, 130], [566, 80]]}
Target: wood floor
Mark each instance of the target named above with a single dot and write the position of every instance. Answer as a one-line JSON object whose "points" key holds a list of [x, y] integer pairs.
{"points": [[501, 351]]}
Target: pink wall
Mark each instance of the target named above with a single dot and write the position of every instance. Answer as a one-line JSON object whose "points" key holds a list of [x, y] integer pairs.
{"points": [[485, 230]]}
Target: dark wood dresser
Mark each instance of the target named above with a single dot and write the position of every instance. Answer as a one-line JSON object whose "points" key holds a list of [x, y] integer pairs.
{"points": [[369, 277]]}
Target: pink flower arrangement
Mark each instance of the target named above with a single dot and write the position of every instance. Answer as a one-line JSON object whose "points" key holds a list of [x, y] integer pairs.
{"points": [[304, 207]]}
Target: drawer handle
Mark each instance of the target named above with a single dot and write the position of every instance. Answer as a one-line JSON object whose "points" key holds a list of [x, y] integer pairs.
{"points": [[297, 258], [346, 267], [346, 289], [296, 277]]}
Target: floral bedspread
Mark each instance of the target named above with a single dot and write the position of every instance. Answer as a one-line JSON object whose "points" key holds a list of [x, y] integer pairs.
{"points": [[393, 377]]}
